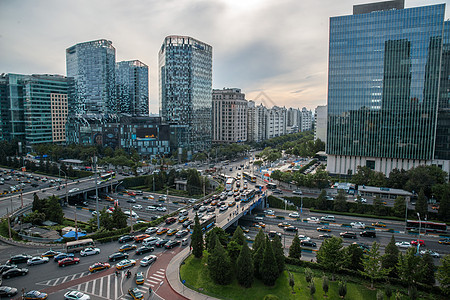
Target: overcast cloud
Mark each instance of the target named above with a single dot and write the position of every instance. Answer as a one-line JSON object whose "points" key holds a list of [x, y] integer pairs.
{"points": [[278, 47]]}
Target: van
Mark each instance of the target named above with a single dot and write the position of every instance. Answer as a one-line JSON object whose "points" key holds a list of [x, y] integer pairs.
{"points": [[328, 218], [184, 242]]}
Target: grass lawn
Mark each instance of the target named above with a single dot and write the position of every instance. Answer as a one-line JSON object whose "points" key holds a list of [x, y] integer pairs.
{"points": [[195, 273]]}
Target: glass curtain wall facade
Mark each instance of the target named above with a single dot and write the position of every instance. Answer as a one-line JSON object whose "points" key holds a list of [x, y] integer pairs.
{"points": [[12, 107], [132, 87], [383, 88], [45, 108], [185, 83], [92, 66]]}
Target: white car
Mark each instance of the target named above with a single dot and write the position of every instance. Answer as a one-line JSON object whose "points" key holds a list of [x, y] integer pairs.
{"points": [[403, 244], [148, 260], [432, 253], [37, 260], [202, 208], [150, 241], [128, 213], [76, 295], [313, 220], [358, 225], [192, 200], [304, 238], [294, 215], [89, 251], [270, 212], [151, 208], [297, 192], [94, 213], [137, 206], [151, 230], [223, 208], [74, 190], [161, 208], [328, 218]]}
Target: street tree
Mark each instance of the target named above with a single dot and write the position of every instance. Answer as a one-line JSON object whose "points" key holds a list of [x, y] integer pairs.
{"points": [[268, 268], [238, 236], [259, 240], [372, 264], [407, 268], [390, 258], [197, 238], [219, 265], [308, 275], [353, 256], [422, 204], [312, 289], [399, 206], [38, 204], [325, 285], [244, 273], [278, 253], [321, 201], [342, 288], [233, 250], [340, 203], [330, 255], [119, 218], [443, 274], [53, 210], [295, 250], [427, 267]]}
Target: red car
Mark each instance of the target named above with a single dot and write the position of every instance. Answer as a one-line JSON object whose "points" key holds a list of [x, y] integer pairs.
{"points": [[68, 261], [171, 220], [421, 242]]}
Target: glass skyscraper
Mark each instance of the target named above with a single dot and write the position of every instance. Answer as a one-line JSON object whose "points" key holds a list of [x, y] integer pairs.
{"points": [[132, 87], [185, 89], [92, 66], [385, 88]]}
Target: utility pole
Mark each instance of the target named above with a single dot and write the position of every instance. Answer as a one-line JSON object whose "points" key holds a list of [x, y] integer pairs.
{"points": [[131, 216], [9, 224], [76, 225]]}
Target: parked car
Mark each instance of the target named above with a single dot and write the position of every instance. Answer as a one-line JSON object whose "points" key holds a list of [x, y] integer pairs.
{"points": [[76, 295], [98, 266], [50, 253], [403, 244], [172, 244], [6, 291], [308, 243], [126, 263], [126, 238], [421, 242], [20, 258], [34, 295], [117, 256], [68, 261], [432, 253], [294, 215], [151, 230], [358, 225], [144, 249], [14, 272], [127, 247], [328, 218], [348, 235], [368, 233], [37, 260], [148, 260], [60, 256]]}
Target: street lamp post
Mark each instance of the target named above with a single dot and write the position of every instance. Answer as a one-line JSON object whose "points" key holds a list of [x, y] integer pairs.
{"points": [[420, 228], [94, 160]]}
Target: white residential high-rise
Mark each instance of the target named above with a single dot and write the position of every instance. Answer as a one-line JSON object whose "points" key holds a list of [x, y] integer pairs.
{"points": [[229, 116], [320, 129]]}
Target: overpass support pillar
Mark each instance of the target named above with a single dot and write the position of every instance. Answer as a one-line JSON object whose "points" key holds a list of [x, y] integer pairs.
{"points": [[85, 196]]}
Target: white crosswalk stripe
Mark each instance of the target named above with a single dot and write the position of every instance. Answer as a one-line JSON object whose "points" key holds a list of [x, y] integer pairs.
{"points": [[60, 280]]}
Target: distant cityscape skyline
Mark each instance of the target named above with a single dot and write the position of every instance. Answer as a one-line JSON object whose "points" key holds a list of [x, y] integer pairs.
{"points": [[285, 56]]}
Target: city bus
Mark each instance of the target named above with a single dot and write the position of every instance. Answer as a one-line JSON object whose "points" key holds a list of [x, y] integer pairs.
{"points": [[249, 177], [108, 176], [229, 184], [426, 226], [77, 246], [222, 177], [271, 186], [248, 195], [207, 222]]}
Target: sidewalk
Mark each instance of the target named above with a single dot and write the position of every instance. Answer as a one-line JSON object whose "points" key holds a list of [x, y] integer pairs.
{"points": [[173, 277]]}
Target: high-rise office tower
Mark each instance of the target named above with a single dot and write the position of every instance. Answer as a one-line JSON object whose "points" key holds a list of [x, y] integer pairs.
{"points": [[229, 116], [132, 87], [185, 89], [33, 108], [92, 65], [320, 128], [385, 80]]}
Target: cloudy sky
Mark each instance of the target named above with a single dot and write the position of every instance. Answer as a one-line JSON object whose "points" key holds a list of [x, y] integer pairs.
{"points": [[277, 48]]}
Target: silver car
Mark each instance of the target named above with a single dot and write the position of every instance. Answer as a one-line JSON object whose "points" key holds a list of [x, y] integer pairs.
{"points": [[148, 260], [37, 260]]}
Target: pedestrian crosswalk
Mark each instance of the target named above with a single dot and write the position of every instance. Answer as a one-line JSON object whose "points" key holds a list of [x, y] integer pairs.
{"points": [[60, 280], [152, 282]]}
